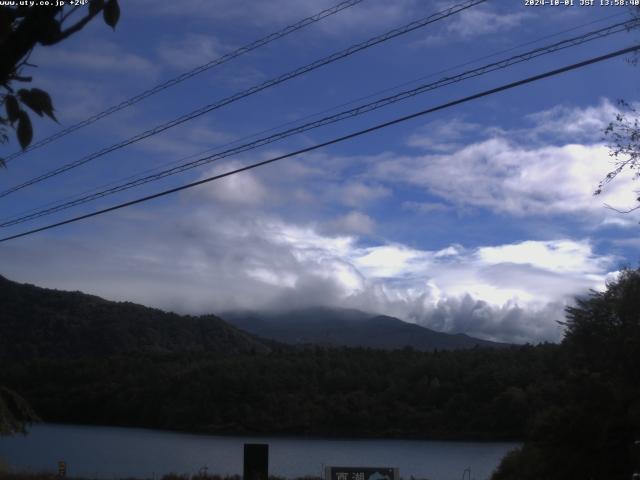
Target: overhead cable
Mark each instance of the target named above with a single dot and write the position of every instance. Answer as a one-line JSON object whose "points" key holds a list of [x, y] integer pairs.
{"points": [[353, 112], [251, 91], [189, 74], [333, 141]]}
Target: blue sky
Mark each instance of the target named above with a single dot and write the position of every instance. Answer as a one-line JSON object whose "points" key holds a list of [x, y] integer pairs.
{"points": [[476, 219]]}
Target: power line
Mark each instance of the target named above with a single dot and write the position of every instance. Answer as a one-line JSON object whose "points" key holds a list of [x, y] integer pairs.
{"points": [[499, 65], [312, 115], [331, 119], [255, 89], [191, 73], [358, 133]]}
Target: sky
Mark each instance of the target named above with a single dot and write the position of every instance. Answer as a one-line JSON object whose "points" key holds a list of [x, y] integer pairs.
{"points": [[476, 219]]}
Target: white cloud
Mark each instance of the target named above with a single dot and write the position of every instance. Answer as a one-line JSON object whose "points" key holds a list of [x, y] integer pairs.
{"points": [[481, 21], [515, 172], [389, 261], [627, 242], [194, 139], [243, 189], [442, 135], [578, 124], [99, 56], [191, 51], [554, 256], [476, 21], [451, 250], [358, 194], [353, 222], [425, 207], [211, 258], [244, 243], [75, 100], [277, 13]]}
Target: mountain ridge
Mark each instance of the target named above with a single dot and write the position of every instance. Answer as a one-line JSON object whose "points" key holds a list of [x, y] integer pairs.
{"points": [[337, 327], [42, 323]]}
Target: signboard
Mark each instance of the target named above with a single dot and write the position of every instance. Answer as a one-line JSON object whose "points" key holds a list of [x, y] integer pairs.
{"points": [[256, 461], [361, 473]]}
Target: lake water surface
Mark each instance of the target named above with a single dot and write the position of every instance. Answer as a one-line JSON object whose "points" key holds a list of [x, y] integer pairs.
{"points": [[109, 452]]}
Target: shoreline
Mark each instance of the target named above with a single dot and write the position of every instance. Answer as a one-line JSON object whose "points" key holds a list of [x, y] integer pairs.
{"points": [[125, 453], [291, 436]]}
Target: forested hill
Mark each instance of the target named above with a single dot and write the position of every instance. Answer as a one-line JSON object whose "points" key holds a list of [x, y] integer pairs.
{"points": [[463, 394], [42, 323], [336, 327]]}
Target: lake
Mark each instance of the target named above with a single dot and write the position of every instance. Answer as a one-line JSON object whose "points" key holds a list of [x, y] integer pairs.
{"points": [[112, 452]]}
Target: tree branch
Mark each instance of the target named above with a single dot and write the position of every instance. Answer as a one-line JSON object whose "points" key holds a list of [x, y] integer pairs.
{"points": [[69, 13], [77, 27]]}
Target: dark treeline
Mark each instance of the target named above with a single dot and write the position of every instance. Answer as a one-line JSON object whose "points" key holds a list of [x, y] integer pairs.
{"points": [[591, 428], [477, 393], [169, 476], [43, 323], [576, 405]]}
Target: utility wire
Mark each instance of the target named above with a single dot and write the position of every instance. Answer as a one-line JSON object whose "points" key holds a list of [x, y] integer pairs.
{"points": [[343, 138], [309, 116], [255, 89], [191, 73], [327, 120], [499, 65]]}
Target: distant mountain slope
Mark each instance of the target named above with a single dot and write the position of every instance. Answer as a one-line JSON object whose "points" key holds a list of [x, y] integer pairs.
{"points": [[352, 328], [42, 323]]}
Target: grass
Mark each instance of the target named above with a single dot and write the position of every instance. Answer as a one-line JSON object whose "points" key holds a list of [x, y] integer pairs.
{"points": [[5, 475]]}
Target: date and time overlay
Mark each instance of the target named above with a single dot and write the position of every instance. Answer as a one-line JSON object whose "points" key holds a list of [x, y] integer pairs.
{"points": [[526, 3], [581, 3]]}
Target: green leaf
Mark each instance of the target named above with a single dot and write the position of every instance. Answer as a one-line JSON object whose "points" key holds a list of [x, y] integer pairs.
{"points": [[24, 130], [95, 6], [5, 22], [49, 31], [111, 13], [37, 100], [12, 107]]}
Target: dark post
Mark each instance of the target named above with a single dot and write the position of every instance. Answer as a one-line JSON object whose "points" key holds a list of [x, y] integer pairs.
{"points": [[636, 460], [62, 469], [256, 461]]}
